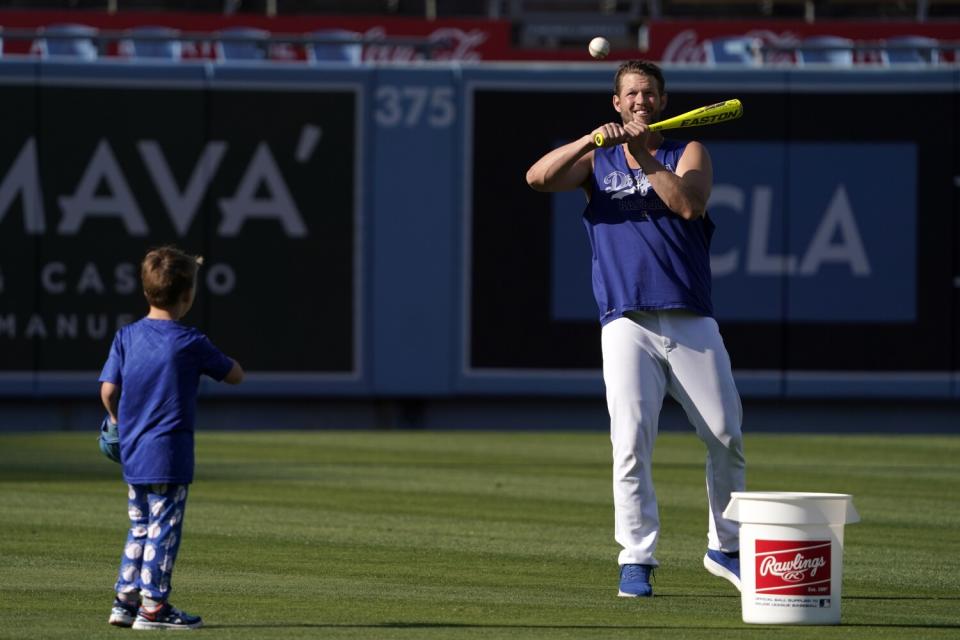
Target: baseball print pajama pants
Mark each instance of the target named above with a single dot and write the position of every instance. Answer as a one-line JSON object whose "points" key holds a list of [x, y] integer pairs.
{"points": [[647, 355], [156, 519]]}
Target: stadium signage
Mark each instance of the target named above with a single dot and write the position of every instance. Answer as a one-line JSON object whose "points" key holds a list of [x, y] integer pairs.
{"points": [[260, 181], [671, 41], [459, 44], [691, 42], [836, 239], [261, 192], [384, 38]]}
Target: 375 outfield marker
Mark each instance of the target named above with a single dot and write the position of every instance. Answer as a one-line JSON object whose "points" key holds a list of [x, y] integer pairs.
{"points": [[710, 114]]}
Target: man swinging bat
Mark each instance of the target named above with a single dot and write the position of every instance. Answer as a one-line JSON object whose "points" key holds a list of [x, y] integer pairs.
{"points": [[650, 233]]}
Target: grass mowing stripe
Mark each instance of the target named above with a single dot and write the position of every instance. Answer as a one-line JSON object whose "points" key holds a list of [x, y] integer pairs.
{"points": [[462, 535]]}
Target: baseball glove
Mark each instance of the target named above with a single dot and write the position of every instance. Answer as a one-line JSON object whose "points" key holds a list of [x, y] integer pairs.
{"points": [[109, 439]]}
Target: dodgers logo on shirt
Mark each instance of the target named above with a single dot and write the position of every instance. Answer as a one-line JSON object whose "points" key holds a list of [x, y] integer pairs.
{"points": [[620, 185]]}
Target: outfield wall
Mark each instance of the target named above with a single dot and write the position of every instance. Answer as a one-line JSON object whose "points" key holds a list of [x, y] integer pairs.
{"points": [[368, 232]]}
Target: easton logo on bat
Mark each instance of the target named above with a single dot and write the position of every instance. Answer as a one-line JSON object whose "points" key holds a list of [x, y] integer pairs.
{"points": [[720, 105], [709, 118], [793, 567]]}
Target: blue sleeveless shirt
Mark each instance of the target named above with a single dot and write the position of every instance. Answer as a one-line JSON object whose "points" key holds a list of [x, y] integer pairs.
{"points": [[645, 257]]}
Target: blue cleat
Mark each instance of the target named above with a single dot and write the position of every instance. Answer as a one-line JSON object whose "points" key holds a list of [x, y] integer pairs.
{"points": [[723, 565], [635, 581]]}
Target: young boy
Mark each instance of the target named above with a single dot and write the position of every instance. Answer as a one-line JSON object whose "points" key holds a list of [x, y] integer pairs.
{"points": [[149, 387]]}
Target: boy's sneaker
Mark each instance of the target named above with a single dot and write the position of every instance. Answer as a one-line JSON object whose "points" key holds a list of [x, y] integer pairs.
{"points": [[123, 613], [166, 616], [723, 565], [635, 581]]}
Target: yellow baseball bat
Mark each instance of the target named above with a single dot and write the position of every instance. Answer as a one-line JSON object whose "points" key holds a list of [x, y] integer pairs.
{"points": [[710, 114]]}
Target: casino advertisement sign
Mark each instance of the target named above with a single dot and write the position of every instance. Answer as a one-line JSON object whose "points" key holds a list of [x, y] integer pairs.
{"points": [[259, 182]]}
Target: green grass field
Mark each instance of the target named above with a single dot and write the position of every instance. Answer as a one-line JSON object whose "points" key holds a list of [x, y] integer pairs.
{"points": [[463, 535]]}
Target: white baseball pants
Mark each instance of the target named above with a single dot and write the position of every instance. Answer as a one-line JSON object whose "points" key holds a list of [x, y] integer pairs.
{"points": [[645, 356]]}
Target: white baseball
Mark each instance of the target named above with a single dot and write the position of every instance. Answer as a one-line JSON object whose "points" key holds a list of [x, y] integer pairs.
{"points": [[599, 47]]}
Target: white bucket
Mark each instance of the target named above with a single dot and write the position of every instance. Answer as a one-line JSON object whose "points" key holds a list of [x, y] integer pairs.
{"points": [[791, 554]]}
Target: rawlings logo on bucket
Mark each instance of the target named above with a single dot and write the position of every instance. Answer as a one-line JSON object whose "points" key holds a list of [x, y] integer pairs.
{"points": [[793, 567]]}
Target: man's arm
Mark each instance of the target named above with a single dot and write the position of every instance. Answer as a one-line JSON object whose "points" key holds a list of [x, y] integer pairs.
{"points": [[110, 397], [565, 168], [686, 191]]}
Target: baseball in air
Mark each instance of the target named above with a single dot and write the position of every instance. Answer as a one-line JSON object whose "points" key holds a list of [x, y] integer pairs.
{"points": [[599, 47]]}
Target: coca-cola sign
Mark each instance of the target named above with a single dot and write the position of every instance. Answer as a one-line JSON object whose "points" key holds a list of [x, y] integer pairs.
{"points": [[793, 567], [774, 42], [453, 43], [384, 38], [691, 47]]}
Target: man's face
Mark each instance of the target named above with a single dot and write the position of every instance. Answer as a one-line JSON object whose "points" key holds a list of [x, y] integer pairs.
{"points": [[639, 97]]}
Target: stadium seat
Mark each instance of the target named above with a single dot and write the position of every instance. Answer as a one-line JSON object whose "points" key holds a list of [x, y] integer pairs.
{"points": [[252, 46], [729, 50], [901, 53], [161, 43], [349, 50], [70, 41], [829, 50]]}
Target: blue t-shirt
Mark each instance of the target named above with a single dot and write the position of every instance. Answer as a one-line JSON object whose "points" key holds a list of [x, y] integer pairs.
{"points": [[645, 257], [157, 365]]}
